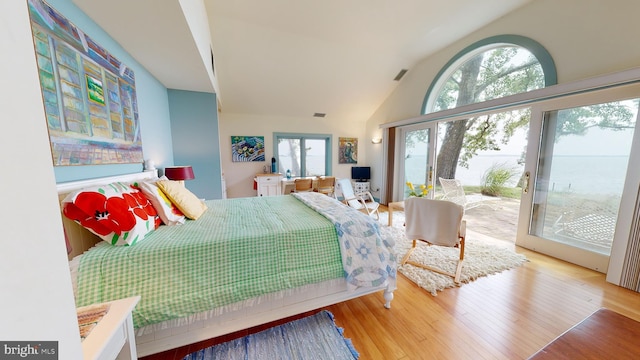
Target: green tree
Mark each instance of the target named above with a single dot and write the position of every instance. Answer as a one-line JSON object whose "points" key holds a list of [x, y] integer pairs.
{"points": [[612, 116], [497, 73], [492, 74]]}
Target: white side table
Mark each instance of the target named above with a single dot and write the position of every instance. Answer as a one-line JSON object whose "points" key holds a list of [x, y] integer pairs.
{"points": [[268, 184], [360, 187], [113, 337]]}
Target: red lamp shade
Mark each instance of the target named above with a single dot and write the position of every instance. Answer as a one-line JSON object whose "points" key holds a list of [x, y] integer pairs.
{"points": [[179, 173]]}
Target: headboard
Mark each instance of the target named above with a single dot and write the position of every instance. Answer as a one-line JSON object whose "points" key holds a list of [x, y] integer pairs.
{"points": [[80, 238]]}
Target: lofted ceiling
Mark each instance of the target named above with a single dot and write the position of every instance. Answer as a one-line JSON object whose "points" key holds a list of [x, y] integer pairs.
{"points": [[289, 57]]}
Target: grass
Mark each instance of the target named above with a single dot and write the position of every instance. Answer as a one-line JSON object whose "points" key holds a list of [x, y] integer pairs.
{"points": [[505, 192]]}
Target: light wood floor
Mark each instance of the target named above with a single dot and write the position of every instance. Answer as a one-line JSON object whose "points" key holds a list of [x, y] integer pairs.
{"points": [[509, 315], [504, 316]]}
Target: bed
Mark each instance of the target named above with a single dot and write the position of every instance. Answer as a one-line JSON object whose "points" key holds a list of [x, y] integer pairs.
{"points": [[243, 263]]}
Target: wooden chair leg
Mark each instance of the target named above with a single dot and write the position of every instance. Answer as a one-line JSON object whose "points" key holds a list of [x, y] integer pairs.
{"points": [[455, 276], [406, 256], [456, 279]]}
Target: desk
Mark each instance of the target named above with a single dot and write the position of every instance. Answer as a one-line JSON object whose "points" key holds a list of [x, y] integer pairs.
{"points": [[398, 205], [113, 336]]}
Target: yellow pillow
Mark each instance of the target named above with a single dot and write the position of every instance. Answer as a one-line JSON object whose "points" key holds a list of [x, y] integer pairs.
{"points": [[185, 200]]}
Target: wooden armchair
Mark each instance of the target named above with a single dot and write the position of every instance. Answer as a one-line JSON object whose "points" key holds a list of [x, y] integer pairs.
{"points": [[435, 222]]}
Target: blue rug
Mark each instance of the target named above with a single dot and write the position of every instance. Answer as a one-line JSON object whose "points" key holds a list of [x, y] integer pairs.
{"points": [[312, 337]]}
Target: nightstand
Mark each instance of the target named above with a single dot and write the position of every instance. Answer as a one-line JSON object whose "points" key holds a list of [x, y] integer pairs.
{"points": [[113, 336]]}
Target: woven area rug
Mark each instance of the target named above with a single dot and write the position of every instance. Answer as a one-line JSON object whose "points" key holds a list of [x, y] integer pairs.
{"points": [[312, 337], [481, 258]]}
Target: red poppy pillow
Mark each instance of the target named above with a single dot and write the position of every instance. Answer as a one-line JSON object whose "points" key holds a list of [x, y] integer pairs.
{"points": [[117, 213]]}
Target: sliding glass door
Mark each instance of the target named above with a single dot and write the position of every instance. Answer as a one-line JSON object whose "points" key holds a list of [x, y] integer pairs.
{"points": [[575, 175], [575, 179]]}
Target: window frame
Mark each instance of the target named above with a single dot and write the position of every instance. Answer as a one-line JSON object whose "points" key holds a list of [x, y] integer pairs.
{"points": [[328, 138], [535, 48]]}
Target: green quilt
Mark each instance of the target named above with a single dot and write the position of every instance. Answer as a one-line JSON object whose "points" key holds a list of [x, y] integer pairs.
{"points": [[239, 249]]}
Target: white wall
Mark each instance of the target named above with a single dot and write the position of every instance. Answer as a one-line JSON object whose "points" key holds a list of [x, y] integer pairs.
{"points": [[585, 38], [37, 300], [239, 176], [195, 14]]}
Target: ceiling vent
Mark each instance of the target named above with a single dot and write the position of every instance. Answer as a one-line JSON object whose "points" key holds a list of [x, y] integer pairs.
{"points": [[319, 115], [400, 75]]}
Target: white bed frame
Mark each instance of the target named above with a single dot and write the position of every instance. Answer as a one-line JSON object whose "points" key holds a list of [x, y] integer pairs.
{"points": [[161, 337]]}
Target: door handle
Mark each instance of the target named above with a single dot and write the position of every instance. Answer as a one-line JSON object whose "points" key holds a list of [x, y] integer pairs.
{"points": [[525, 185]]}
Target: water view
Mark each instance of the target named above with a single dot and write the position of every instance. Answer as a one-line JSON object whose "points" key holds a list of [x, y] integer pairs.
{"points": [[578, 174]]}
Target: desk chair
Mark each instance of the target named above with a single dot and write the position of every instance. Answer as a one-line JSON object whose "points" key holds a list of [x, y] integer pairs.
{"points": [[326, 185], [303, 185]]}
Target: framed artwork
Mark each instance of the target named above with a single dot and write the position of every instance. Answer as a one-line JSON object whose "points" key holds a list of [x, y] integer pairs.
{"points": [[247, 148], [347, 150], [89, 96]]}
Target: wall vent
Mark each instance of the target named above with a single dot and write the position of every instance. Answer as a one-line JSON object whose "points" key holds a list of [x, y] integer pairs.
{"points": [[319, 115], [400, 75]]}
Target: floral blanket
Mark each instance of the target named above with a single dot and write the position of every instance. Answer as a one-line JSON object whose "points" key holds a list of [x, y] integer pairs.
{"points": [[360, 242]]}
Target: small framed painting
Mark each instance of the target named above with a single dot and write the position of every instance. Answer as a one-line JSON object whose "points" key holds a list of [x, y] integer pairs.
{"points": [[347, 150], [94, 89], [247, 148]]}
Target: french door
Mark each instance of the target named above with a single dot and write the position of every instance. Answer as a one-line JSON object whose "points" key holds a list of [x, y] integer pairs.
{"points": [[577, 161], [415, 159]]}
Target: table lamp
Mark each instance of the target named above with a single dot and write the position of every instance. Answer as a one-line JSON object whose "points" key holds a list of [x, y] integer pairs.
{"points": [[179, 173]]}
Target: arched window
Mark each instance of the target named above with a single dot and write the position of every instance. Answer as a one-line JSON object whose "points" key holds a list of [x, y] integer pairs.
{"points": [[488, 69]]}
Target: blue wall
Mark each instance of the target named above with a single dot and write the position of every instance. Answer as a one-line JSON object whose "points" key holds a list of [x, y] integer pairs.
{"points": [[153, 105], [196, 140]]}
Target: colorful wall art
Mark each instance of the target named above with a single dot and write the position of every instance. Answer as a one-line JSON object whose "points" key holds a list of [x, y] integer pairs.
{"points": [[247, 148], [89, 96], [347, 150]]}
